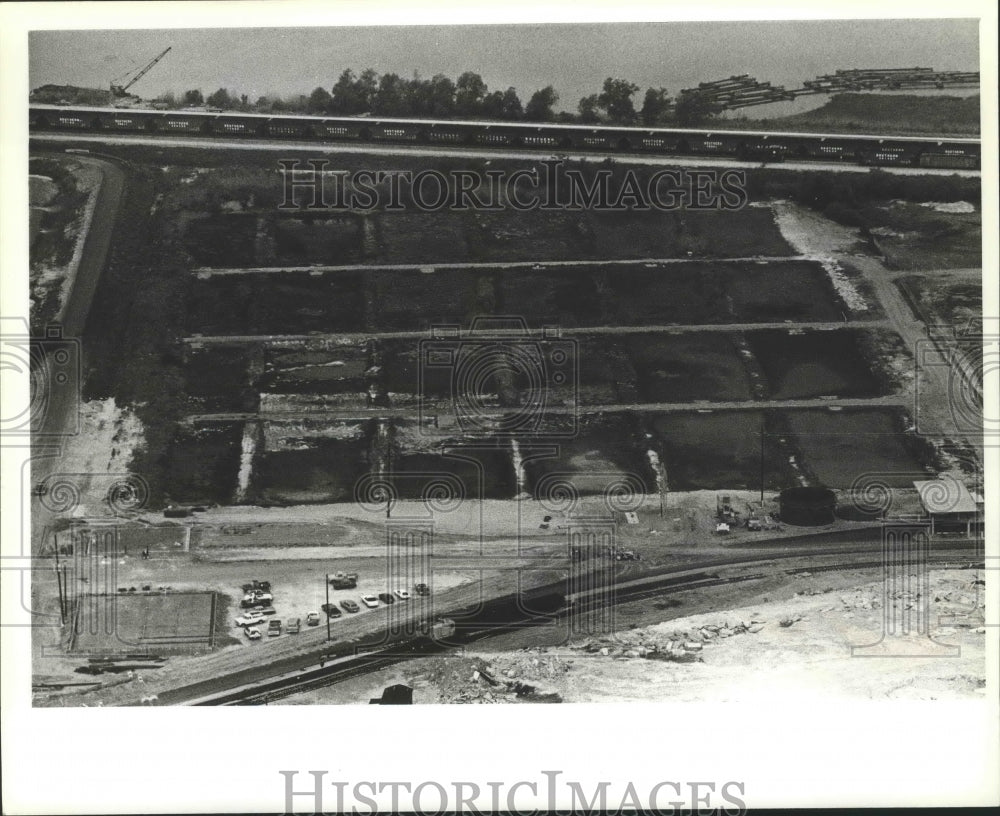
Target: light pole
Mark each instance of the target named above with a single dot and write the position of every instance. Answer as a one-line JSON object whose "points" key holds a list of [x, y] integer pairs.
{"points": [[327, 610], [663, 490], [762, 467]]}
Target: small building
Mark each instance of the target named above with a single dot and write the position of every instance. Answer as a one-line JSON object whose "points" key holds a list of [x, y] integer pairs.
{"points": [[394, 695], [949, 506]]}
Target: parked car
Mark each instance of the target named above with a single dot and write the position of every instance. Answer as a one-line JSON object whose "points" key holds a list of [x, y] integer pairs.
{"points": [[257, 598], [273, 628], [249, 618], [422, 589], [386, 598], [350, 606], [264, 610], [294, 626], [342, 580], [253, 634], [370, 601], [312, 619], [402, 594], [331, 610]]}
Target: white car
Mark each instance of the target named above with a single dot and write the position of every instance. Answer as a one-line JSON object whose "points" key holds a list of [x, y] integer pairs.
{"points": [[249, 618], [253, 634], [402, 594], [370, 601]]}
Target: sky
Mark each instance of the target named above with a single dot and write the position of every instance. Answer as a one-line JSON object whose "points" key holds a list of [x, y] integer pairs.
{"points": [[575, 58]]}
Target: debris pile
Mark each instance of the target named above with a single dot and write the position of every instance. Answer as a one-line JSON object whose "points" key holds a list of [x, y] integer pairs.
{"points": [[683, 646], [957, 602], [519, 677]]}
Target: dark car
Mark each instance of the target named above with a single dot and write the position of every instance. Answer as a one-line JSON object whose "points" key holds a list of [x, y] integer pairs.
{"points": [[422, 589], [331, 610], [350, 606], [386, 598]]}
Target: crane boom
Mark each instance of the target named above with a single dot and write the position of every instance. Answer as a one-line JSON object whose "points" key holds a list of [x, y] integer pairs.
{"points": [[121, 90]]}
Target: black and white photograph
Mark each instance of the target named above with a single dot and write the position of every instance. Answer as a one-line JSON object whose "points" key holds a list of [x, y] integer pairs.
{"points": [[636, 375]]}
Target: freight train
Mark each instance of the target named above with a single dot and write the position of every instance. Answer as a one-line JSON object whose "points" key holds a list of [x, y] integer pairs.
{"points": [[873, 151]]}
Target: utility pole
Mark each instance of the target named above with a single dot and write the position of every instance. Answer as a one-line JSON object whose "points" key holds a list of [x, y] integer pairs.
{"points": [[762, 467], [663, 490], [327, 610], [59, 582]]}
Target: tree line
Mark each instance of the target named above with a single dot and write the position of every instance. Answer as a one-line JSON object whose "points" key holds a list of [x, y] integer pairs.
{"points": [[440, 97]]}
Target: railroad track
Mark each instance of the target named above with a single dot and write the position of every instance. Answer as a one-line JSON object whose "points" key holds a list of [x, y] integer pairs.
{"points": [[348, 666]]}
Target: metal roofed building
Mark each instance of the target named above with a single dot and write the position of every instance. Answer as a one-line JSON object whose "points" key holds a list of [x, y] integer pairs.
{"points": [[949, 506]]}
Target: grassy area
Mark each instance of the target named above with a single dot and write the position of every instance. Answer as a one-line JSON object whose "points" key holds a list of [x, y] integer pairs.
{"points": [[881, 113], [945, 300], [915, 237]]}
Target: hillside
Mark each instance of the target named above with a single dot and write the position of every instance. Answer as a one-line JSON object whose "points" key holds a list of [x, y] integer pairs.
{"points": [[882, 113], [54, 94]]}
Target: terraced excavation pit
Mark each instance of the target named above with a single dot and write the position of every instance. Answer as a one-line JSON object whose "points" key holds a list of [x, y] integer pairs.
{"points": [[839, 447], [607, 450], [276, 303], [220, 379], [719, 449], [454, 474], [203, 463], [803, 364], [310, 462]]}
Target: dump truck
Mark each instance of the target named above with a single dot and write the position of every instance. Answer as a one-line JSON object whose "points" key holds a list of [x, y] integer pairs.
{"points": [[440, 629]]}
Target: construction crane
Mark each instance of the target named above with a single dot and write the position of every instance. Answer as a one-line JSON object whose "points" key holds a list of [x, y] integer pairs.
{"points": [[119, 90]]}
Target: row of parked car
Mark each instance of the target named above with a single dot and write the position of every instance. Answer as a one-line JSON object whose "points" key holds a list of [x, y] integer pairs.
{"points": [[258, 606], [261, 613]]}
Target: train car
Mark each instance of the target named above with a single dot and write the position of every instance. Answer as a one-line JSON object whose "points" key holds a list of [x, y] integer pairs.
{"points": [[761, 150], [124, 121], [353, 130], [883, 156], [495, 138], [595, 140], [394, 132], [953, 160], [832, 152], [714, 144], [282, 128], [446, 135], [542, 137], [237, 126], [662, 143], [65, 120], [181, 123]]}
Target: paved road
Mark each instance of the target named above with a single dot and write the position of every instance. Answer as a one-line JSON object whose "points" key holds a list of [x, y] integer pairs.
{"points": [[96, 245], [61, 418], [384, 150]]}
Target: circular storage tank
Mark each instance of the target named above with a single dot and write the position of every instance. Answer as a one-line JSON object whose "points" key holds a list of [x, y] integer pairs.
{"points": [[808, 506]]}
